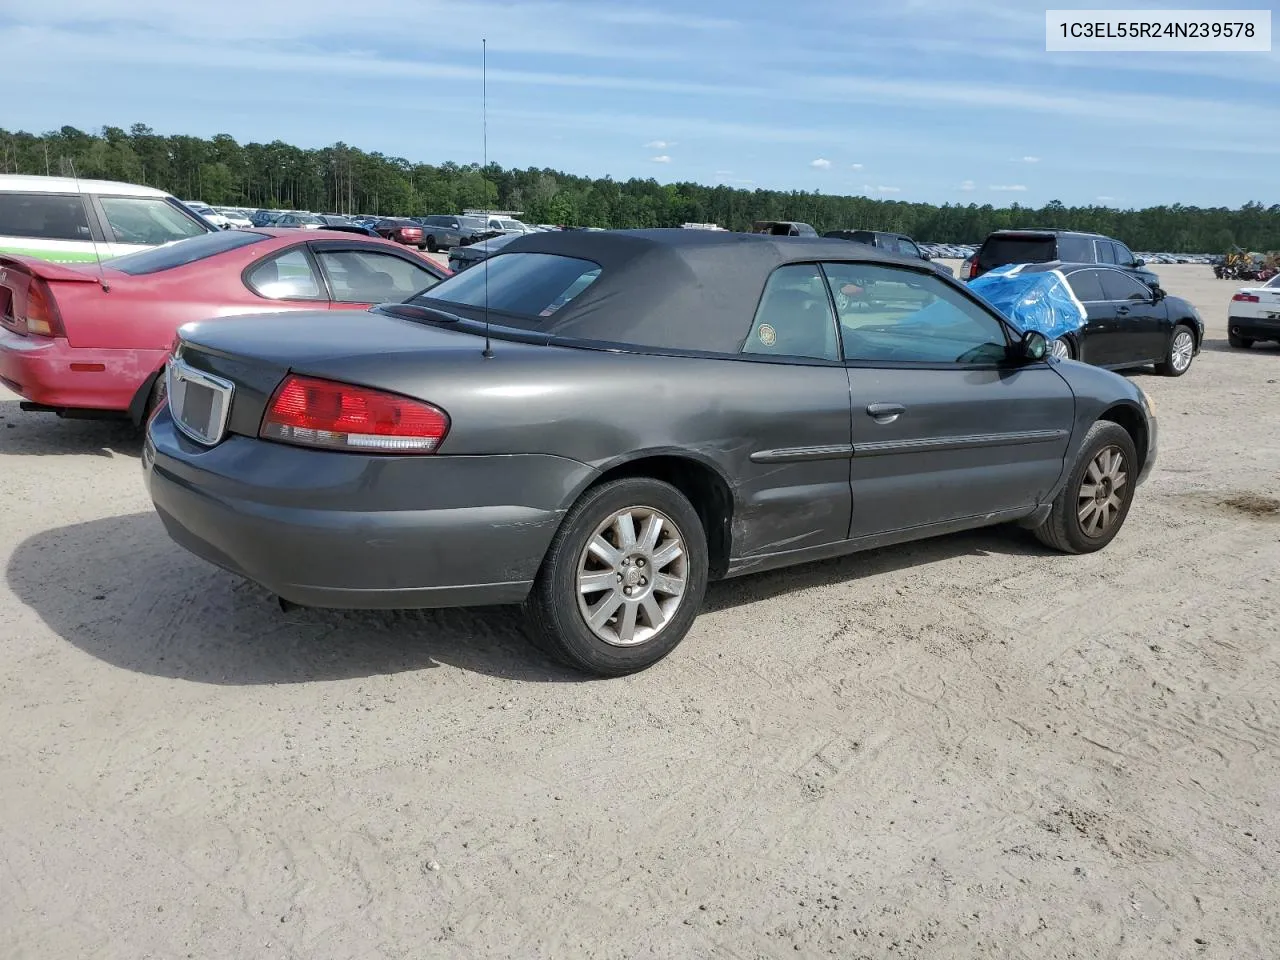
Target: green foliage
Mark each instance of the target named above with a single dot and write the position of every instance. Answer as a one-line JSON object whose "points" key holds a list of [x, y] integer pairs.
{"points": [[343, 179]]}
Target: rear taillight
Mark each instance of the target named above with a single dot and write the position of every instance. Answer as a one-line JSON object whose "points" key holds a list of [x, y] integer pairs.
{"points": [[1245, 298], [337, 416], [43, 318]]}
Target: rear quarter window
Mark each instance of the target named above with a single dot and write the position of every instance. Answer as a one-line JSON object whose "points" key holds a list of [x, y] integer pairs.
{"points": [[1075, 250], [43, 216]]}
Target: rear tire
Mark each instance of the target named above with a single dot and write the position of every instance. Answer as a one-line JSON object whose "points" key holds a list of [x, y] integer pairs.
{"points": [[431, 245], [637, 535], [154, 399], [1094, 502], [1179, 352], [1242, 343]]}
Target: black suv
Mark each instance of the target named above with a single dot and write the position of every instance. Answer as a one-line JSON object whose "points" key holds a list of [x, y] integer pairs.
{"points": [[1042, 246], [889, 242]]}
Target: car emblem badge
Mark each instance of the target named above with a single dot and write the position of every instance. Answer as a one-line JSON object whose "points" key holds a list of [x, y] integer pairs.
{"points": [[768, 336]]}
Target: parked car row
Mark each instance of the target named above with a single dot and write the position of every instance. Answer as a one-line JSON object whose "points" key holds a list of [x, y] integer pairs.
{"points": [[233, 345]]}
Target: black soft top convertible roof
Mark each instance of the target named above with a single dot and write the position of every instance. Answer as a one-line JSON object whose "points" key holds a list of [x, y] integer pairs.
{"points": [[675, 288]]}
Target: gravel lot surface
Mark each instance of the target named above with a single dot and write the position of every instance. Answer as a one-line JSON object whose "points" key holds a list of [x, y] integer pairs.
{"points": [[969, 747]]}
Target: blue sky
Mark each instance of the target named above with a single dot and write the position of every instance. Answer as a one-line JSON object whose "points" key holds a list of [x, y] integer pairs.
{"points": [[951, 101]]}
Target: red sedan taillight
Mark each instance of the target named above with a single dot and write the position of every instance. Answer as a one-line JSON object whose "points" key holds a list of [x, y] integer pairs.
{"points": [[1246, 298], [42, 312], [311, 412]]}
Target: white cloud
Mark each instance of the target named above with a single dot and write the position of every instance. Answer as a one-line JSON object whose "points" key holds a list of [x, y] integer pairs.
{"points": [[855, 166], [663, 158], [821, 164], [659, 144], [299, 46], [1030, 159], [724, 173], [868, 188], [534, 26], [1104, 199], [1009, 188], [968, 185]]}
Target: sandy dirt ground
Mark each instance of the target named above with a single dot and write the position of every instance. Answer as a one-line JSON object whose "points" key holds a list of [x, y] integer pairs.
{"points": [[969, 747]]}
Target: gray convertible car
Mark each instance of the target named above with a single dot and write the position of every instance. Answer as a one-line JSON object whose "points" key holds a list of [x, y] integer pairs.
{"points": [[594, 425]]}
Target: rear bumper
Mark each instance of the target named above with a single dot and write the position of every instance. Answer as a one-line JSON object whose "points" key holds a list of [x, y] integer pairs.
{"points": [[343, 530], [54, 373], [1257, 328]]}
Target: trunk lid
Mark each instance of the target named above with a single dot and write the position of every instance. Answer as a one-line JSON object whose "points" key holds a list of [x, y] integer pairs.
{"points": [[254, 353], [27, 279]]}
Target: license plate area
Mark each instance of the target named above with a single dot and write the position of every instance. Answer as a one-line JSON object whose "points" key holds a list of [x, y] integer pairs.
{"points": [[199, 402]]}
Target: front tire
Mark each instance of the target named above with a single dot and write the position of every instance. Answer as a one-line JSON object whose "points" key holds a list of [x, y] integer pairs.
{"points": [[1093, 504], [1179, 353], [623, 579], [431, 245]]}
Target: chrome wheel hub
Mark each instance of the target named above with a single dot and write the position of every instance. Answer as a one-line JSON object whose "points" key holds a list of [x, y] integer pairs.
{"points": [[1059, 349], [632, 576], [1183, 347], [1101, 492]]}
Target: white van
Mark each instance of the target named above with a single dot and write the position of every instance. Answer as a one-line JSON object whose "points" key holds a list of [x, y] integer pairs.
{"points": [[58, 219]]}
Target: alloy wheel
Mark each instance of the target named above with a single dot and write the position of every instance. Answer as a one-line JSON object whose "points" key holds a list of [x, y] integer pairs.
{"points": [[632, 576], [1059, 349], [1183, 348], [1101, 499]]}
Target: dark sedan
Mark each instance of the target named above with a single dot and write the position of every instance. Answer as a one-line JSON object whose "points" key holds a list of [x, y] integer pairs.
{"points": [[460, 258], [601, 423], [1129, 323]]}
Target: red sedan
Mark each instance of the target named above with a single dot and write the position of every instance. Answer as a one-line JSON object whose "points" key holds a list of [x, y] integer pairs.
{"points": [[401, 231], [89, 341]]}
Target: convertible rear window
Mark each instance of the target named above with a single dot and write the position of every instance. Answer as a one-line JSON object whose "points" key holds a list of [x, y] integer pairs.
{"points": [[182, 252], [523, 284]]}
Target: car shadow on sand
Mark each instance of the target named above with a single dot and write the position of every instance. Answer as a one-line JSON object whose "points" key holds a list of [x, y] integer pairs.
{"points": [[122, 591], [1222, 346], [45, 434]]}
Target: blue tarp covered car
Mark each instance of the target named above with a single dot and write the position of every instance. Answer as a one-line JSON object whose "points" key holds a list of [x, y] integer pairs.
{"points": [[1040, 300]]}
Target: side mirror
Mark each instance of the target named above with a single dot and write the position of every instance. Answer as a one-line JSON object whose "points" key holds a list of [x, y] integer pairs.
{"points": [[1157, 294], [1138, 262], [1034, 346]]}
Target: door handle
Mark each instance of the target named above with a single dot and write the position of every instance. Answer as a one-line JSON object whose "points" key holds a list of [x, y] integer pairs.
{"points": [[885, 412], [1122, 311]]}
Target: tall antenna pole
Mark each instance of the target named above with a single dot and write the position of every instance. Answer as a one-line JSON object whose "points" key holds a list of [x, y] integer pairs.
{"points": [[102, 277], [484, 114]]}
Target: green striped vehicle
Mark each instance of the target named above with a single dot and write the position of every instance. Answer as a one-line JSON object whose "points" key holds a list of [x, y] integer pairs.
{"points": [[69, 221]]}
